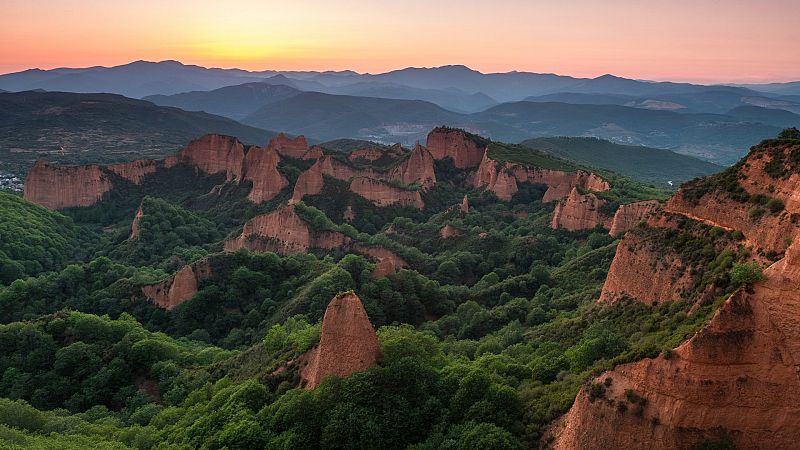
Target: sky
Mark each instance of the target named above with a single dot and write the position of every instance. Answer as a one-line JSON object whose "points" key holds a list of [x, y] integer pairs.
{"points": [[681, 40]]}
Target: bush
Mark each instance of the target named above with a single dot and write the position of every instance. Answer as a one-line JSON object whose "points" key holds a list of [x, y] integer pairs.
{"points": [[789, 133], [746, 273], [775, 206]]}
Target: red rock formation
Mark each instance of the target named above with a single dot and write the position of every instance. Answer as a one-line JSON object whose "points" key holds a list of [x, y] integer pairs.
{"points": [[178, 288], [309, 182], [366, 154], [737, 377], [387, 261], [134, 171], [135, 225], [499, 182], [464, 206], [466, 151], [630, 215], [579, 212], [348, 343], [417, 168], [261, 168], [296, 148], [637, 273], [283, 231], [211, 154], [64, 187], [381, 193], [502, 179], [449, 231]]}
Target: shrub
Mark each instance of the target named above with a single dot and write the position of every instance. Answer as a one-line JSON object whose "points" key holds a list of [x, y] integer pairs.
{"points": [[775, 206], [746, 273]]}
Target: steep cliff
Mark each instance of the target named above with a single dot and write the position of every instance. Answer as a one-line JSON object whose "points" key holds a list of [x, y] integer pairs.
{"points": [[381, 193], [283, 231], [296, 148], [737, 379], [630, 215], [464, 149], [502, 179], [135, 224], [134, 171], [579, 212], [178, 288], [211, 154], [261, 168], [348, 343], [418, 168], [64, 187]]}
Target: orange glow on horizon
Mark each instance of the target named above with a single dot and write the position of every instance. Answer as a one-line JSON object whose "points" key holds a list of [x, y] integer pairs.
{"points": [[700, 40]]}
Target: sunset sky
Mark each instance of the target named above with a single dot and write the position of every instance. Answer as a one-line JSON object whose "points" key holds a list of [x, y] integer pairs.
{"points": [[682, 40]]}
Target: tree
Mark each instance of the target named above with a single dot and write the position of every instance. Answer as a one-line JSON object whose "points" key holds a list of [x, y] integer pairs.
{"points": [[746, 273]]}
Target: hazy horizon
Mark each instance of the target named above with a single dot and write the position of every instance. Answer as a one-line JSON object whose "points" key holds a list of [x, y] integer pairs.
{"points": [[701, 41]]}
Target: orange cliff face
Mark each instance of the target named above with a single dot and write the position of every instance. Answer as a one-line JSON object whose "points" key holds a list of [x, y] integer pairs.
{"points": [[261, 168], [640, 272], [178, 288], [283, 231], [381, 193], [628, 216], [64, 187], [502, 179], [737, 378], [296, 148], [770, 231], [579, 212], [135, 224], [211, 154], [465, 150], [134, 171], [417, 168], [348, 343]]}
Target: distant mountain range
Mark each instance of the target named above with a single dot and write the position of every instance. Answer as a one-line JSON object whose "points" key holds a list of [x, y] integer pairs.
{"points": [[717, 123], [100, 128]]}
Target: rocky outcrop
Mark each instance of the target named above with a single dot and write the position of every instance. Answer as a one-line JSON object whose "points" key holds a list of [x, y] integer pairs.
{"points": [[502, 179], [283, 231], [212, 154], [387, 262], [371, 154], [348, 343], [381, 193], [261, 168], [135, 224], [134, 171], [464, 149], [579, 212], [296, 148], [500, 182], [736, 379], [418, 168], [630, 215], [637, 272], [64, 187], [464, 206], [449, 231], [178, 288]]}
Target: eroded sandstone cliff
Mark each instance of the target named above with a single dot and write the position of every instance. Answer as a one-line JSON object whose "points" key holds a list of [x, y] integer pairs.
{"points": [[64, 187], [463, 149], [348, 343], [628, 216], [736, 379], [178, 288], [579, 212]]}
